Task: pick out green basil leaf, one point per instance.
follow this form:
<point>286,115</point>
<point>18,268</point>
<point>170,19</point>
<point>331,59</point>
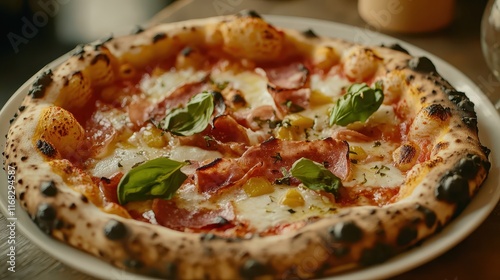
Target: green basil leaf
<point>358,104</point>
<point>191,119</point>
<point>157,178</point>
<point>315,176</point>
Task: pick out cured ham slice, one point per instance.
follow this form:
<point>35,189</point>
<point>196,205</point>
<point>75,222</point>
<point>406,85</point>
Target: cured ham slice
<point>288,87</point>
<point>169,214</point>
<point>269,158</point>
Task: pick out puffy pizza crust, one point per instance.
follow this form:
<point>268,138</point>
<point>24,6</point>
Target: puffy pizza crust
<point>64,203</point>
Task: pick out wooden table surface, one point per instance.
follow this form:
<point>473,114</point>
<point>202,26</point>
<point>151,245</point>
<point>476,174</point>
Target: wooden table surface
<point>477,257</point>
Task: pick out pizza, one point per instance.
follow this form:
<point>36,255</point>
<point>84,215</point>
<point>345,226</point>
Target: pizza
<point>229,148</point>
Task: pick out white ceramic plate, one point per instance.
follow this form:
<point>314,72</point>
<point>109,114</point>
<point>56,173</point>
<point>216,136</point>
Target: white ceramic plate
<point>456,231</point>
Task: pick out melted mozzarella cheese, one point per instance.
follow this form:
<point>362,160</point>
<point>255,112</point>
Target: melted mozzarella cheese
<point>252,85</point>
<point>266,211</point>
<point>375,174</point>
<point>331,85</point>
<point>183,153</point>
<point>156,88</point>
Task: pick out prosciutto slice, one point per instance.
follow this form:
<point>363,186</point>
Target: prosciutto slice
<point>169,214</point>
<point>268,159</point>
<point>288,85</point>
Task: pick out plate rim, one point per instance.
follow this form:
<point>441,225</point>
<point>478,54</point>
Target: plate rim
<point>455,232</point>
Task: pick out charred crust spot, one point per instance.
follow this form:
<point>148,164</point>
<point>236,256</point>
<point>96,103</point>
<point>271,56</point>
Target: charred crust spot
<point>455,96</point>
<point>248,13</point>
<point>422,64</point>
<point>406,235</point>
<point>41,83</point>
<point>79,51</point>
<point>103,41</point>
<point>21,108</point>
<point>397,47</point>
<point>46,148</point>
<point>309,33</point>
<point>115,230</point>
<point>159,36</point>
<point>436,111</point>
<point>252,269</point>
<point>84,198</point>
<point>45,212</point>
<point>346,232</point>
<point>379,253</point>
<point>341,251</point>
<point>208,237</point>
<point>133,264</point>
<point>171,270</point>
<point>468,166</point>
<point>470,122</point>
<point>209,165</point>
<point>239,100</point>
<point>466,105</point>
<point>137,29</point>
<point>453,188</point>
<point>58,224</point>
<point>100,57</point>
<point>21,195</point>
<point>48,188</point>
<point>186,51</point>
<point>24,158</point>
<point>441,146</point>
<point>429,215</point>
<point>407,154</point>
<point>72,206</point>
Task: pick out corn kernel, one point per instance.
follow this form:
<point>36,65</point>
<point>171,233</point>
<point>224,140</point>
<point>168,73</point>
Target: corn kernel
<point>257,186</point>
<point>284,133</point>
<point>297,120</point>
<point>357,153</point>
<point>293,198</point>
<point>318,98</point>
<point>154,137</point>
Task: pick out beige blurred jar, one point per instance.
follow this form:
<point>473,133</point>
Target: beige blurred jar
<point>407,16</point>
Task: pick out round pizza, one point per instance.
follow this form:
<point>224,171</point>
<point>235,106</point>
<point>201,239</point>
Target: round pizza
<point>228,148</point>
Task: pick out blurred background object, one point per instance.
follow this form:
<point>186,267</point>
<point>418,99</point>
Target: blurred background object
<point>35,32</point>
<point>407,16</point>
<point>490,40</point>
